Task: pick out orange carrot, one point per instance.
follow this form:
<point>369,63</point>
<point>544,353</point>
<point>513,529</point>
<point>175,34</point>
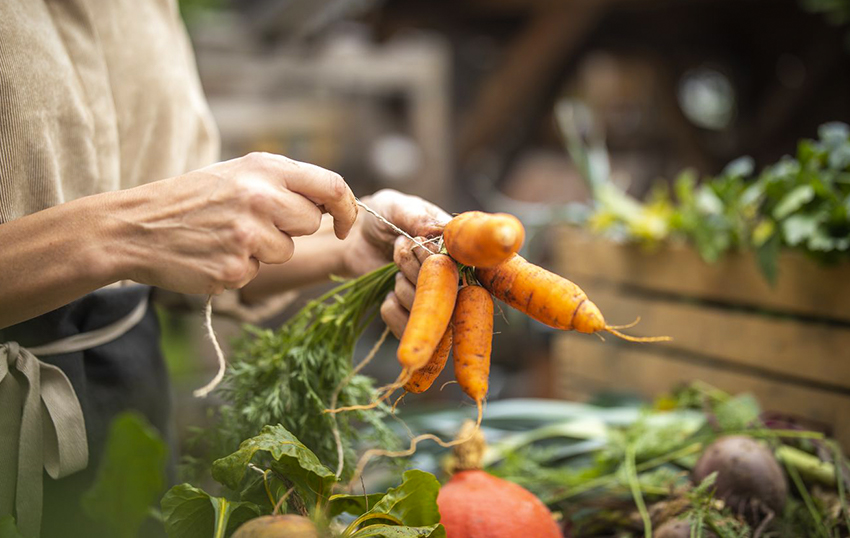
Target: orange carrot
<point>422,379</point>
<point>436,293</point>
<point>548,298</point>
<point>483,239</point>
<point>473,340</point>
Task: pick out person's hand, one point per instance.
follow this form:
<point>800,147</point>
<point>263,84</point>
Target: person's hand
<point>208,230</point>
<point>373,244</point>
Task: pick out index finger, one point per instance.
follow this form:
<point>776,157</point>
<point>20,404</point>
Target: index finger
<point>324,188</point>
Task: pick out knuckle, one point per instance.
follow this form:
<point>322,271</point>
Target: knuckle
<point>286,250</point>
<point>312,222</point>
<point>243,236</point>
<point>337,187</point>
<point>256,158</point>
<point>254,199</point>
<point>232,270</point>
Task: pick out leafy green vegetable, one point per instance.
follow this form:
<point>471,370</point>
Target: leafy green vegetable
<point>384,531</point>
<point>705,514</point>
<point>189,512</point>
<point>414,501</point>
<point>356,505</point>
<point>800,203</point>
<point>288,376</point>
<point>290,458</point>
<point>130,478</point>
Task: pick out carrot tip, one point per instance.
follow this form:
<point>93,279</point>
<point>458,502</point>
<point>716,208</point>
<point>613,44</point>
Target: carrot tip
<point>628,326</point>
<point>388,391</point>
<point>639,339</point>
<point>398,401</point>
<point>447,383</point>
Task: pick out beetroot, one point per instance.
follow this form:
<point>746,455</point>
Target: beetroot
<point>286,526</point>
<point>748,475</point>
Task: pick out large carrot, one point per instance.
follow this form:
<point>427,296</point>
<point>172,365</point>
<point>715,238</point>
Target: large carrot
<point>436,293</point>
<point>473,341</point>
<point>547,297</point>
<point>483,239</point>
<point>423,378</point>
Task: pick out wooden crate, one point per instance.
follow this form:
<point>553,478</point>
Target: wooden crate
<point>788,345</point>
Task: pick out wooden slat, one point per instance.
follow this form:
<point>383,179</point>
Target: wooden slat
<point>807,350</point>
<point>803,287</point>
<point>585,366</point>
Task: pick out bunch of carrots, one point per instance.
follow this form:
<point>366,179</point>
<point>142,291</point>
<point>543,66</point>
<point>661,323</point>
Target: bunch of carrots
<point>453,306</point>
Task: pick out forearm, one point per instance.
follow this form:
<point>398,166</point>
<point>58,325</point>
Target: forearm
<point>52,257</point>
<point>315,259</point>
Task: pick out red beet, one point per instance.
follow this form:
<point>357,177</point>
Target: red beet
<point>747,473</point>
<point>474,504</point>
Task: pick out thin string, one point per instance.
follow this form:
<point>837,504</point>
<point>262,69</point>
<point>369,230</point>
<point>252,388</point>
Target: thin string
<point>222,363</point>
<point>395,228</point>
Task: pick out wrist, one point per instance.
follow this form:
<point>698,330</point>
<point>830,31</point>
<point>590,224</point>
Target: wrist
<point>112,253</point>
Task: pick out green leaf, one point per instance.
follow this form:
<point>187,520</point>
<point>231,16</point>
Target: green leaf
<point>798,228</point>
<point>767,257</point>
<point>708,202</point>
<point>793,201</point>
<point>840,158</point>
<point>192,513</point>
<point>355,505</point>
<point>130,478</point>
<point>740,167</point>
<point>834,134</point>
<point>388,531</point>
<point>8,528</point>
<point>414,501</point>
<point>291,459</point>
<point>737,413</point>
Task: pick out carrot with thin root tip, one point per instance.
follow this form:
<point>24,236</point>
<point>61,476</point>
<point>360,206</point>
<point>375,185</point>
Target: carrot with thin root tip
<point>473,340</point>
<point>433,304</point>
<point>481,239</point>
<point>423,378</point>
<point>548,298</point>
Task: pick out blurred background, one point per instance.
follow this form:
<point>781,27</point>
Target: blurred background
<point>465,103</point>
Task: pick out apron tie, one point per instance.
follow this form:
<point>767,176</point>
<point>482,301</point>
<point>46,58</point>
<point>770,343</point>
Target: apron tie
<point>41,420</point>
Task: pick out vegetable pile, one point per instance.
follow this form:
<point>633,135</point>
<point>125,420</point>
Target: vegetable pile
<point>292,386</point>
<point>702,463</point>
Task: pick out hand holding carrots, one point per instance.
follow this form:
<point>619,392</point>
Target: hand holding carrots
<point>373,244</point>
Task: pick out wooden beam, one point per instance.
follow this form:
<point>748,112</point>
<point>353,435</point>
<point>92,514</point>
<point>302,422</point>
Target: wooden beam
<point>552,35</point>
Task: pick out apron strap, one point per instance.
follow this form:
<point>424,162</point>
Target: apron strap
<point>41,419</point>
<point>97,337</point>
